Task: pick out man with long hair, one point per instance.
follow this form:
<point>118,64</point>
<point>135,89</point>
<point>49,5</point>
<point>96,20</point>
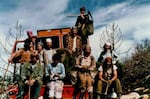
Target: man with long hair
<point>108,75</point>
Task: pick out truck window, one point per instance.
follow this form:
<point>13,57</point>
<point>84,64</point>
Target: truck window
<point>19,46</point>
<point>55,41</point>
<point>64,40</point>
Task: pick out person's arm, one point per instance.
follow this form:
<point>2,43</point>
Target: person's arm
<point>78,21</point>
<point>78,62</point>
<point>16,54</point>
<point>101,76</point>
<point>63,74</point>
<point>114,77</point>
<point>93,63</point>
<point>40,72</point>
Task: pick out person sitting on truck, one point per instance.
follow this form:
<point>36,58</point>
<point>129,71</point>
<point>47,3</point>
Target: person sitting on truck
<point>31,79</point>
<point>41,53</point>
<point>49,52</point>
<point>23,55</point>
<point>56,74</point>
<point>86,65</point>
<point>108,76</point>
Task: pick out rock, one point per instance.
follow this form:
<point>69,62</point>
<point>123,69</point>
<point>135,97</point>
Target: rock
<point>144,97</point>
<point>146,90</point>
<point>139,89</point>
<point>132,95</point>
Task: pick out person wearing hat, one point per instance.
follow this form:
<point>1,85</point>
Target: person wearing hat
<point>82,24</point>
<point>49,52</point>
<point>108,76</point>
<point>107,52</point>
<point>31,38</point>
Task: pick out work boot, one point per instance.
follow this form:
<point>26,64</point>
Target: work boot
<point>81,95</point>
<point>98,97</point>
<point>90,95</point>
<point>119,95</point>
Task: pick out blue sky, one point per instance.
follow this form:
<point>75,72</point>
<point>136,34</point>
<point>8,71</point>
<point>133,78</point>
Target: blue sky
<point>132,16</point>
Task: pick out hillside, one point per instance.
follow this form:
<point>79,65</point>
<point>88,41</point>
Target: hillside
<point>136,72</point>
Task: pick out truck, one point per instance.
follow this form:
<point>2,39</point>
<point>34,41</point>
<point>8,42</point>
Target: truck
<point>58,37</point>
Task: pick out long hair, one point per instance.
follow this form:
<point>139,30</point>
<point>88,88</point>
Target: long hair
<point>107,59</point>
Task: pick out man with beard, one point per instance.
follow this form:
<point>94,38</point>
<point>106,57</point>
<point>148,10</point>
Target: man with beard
<point>86,64</point>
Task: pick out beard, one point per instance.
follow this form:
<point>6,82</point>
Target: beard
<point>87,54</point>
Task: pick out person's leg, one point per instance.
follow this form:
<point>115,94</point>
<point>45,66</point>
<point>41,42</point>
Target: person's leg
<point>118,87</point>
<point>20,90</point>
<point>82,77</point>
<point>82,92</point>
<point>35,89</point>
<point>59,89</point>
<point>99,89</point>
<point>89,81</point>
<point>51,86</point>
<point>76,90</point>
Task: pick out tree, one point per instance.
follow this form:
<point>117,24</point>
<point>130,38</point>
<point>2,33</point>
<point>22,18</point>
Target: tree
<point>137,68</point>
<point>113,35</point>
<point>13,34</point>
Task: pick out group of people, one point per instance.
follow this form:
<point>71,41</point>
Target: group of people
<point>41,64</point>
<point>36,64</point>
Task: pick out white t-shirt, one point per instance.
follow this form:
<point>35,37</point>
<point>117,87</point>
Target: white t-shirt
<point>49,54</point>
<point>101,68</point>
<point>109,70</point>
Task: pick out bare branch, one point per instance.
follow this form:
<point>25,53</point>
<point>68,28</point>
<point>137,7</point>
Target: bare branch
<point>112,34</point>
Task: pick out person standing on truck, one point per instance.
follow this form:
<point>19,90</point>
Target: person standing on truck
<point>86,65</point>
<point>85,25</point>
<point>56,74</point>
<point>31,38</point>
<point>74,46</point>
<point>108,76</point>
<point>49,52</point>
<point>74,42</point>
